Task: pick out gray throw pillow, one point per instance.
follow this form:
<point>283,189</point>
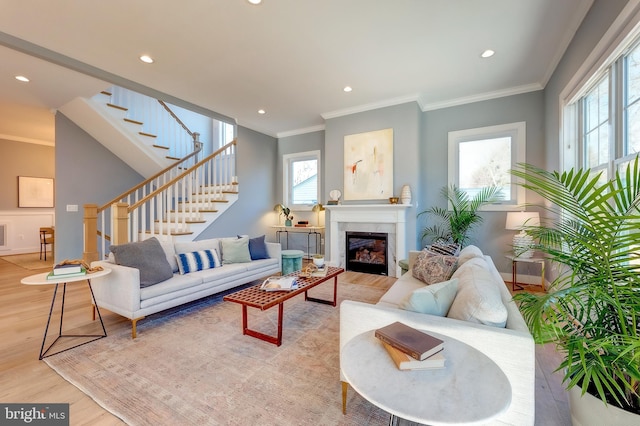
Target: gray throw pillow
<point>148,257</point>
<point>235,250</point>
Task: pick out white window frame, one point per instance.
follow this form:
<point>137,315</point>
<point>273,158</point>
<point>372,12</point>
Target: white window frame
<point>517,133</point>
<point>287,160</point>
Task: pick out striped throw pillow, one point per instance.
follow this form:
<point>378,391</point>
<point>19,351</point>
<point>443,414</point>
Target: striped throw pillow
<point>197,261</point>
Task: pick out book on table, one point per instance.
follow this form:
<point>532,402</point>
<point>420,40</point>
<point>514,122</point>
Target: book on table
<point>67,268</point>
<point>405,362</point>
<point>413,342</point>
<point>53,276</point>
<point>279,284</point>
<point>320,272</point>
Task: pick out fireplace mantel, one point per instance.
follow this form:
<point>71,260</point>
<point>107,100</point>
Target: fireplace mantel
<point>392,214</point>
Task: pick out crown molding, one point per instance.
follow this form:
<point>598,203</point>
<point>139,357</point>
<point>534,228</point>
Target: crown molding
<point>481,97</point>
<point>14,138</point>
<point>369,107</point>
<point>302,131</point>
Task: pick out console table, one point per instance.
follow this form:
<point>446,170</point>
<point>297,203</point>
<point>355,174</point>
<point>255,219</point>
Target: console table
<point>315,231</point>
<point>471,388</point>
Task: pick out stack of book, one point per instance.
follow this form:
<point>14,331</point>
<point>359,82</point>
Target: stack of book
<point>66,270</point>
<point>411,349</point>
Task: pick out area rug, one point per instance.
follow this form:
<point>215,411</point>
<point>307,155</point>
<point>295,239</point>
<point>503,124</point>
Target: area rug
<point>193,366</point>
<point>30,261</point>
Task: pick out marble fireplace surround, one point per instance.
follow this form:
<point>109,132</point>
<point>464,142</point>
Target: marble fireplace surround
<point>387,218</point>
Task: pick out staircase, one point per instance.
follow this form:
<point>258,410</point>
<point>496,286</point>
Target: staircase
<point>176,203</point>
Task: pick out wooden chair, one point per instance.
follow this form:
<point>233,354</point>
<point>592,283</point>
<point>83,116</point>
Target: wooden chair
<point>46,237</point>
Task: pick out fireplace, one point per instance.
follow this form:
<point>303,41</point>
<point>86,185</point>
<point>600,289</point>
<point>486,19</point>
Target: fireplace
<point>366,252</point>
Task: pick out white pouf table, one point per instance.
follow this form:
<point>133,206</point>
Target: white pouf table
<point>470,389</point>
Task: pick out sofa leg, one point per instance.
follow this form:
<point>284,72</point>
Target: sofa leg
<point>345,385</point>
<point>134,329</point>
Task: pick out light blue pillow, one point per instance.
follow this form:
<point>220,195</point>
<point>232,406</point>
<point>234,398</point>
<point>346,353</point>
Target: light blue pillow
<point>434,299</point>
<point>197,261</point>
<point>235,250</point>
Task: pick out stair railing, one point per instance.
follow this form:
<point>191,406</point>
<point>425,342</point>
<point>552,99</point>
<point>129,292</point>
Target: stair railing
<point>163,205</point>
<point>157,119</point>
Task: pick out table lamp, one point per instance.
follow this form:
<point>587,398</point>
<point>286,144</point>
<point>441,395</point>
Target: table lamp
<point>317,208</point>
<point>278,209</point>
<point>522,242</point>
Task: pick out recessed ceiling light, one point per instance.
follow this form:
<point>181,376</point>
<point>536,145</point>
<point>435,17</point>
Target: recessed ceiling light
<point>261,111</point>
<point>347,89</point>
<point>488,53</point>
<point>146,59</point>
<point>22,78</point>
<point>255,1</point>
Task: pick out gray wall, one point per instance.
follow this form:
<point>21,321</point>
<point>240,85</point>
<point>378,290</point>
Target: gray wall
<point>86,173</point>
<point>491,236</point>
<point>252,214</point>
<point>22,159</point>
<point>405,120</point>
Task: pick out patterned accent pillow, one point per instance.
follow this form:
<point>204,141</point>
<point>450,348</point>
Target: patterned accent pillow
<point>431,268</point>
<point>197,261</point>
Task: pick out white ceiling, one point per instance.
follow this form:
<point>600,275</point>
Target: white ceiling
<point>289,57</point>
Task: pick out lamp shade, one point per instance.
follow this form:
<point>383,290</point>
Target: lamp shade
<point>518,221</point>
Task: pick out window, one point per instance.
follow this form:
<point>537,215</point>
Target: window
<point>223,133</point>
<point>607,122</point>
<point>301,177</point>
<point>484,156</point>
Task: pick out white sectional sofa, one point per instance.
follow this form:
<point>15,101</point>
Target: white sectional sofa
<point>511,347</point>
<point>121,291</point>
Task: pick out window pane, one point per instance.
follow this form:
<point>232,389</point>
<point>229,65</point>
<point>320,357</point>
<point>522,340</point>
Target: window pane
<point>596,125</point>
<point>485,163</point>
<point>304,182</point>
<point>631,103</point>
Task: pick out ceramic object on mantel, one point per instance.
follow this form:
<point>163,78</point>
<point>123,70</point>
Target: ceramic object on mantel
<point>405,195</point>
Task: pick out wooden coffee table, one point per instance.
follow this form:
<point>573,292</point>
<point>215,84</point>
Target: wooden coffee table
<point>257,298</point>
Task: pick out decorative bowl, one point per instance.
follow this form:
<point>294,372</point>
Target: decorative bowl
<point>318,260</point>
<point>394,200</point>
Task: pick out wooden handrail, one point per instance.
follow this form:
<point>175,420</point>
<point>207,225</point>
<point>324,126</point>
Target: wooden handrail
<point>175,117</point>
<point>145,182</point>
<point>179,177</point>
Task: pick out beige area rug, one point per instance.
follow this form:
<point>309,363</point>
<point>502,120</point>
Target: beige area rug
<point>193,366</point>
<point>30,261</point>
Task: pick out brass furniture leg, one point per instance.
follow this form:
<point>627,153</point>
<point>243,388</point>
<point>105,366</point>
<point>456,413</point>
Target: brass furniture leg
<point>134,330</point>
<point>345,385</point>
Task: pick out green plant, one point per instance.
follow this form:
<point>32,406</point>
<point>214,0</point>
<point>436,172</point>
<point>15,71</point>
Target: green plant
<point>453,225</point>
<point>592,311</point>
<point>285,211</point>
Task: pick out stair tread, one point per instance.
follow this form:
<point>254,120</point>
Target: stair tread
<point>129,120</point>
<point>174,233</point>
<point>186,221</point>
<point>105,92</point>
<point>160,146</point>
<point>147,134</point>
<point>117,107</point>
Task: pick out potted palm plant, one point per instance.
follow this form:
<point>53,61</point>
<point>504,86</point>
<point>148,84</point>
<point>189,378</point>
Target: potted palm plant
<point>592,312</point>
<point>453,224</point>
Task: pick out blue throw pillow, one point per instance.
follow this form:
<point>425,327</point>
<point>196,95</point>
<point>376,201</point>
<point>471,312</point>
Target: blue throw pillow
<point>258,248</point>
<point>197,261</point>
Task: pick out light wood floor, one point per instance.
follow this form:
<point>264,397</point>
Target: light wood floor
<point>25,379</point>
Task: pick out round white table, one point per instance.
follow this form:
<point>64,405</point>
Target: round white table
<point>470,389</point>
<point>41,279</point>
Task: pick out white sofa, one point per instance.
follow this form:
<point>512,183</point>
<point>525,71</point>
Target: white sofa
<point>512,348</point>
<point>120,291</point>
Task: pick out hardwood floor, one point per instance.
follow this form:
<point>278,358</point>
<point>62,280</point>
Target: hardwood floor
<point>25,379</point>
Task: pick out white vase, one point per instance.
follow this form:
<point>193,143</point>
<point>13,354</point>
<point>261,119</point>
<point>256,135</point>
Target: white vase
<point>405,195</point>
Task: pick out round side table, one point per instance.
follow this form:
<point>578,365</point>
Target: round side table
<point>471,388</point>
<point>41,279</point>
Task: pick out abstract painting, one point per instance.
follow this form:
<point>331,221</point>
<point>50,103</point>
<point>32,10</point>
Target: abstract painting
<point>368,165</point>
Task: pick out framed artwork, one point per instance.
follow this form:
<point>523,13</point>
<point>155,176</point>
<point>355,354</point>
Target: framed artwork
<point>35,192</point>
<point>368,165</point>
